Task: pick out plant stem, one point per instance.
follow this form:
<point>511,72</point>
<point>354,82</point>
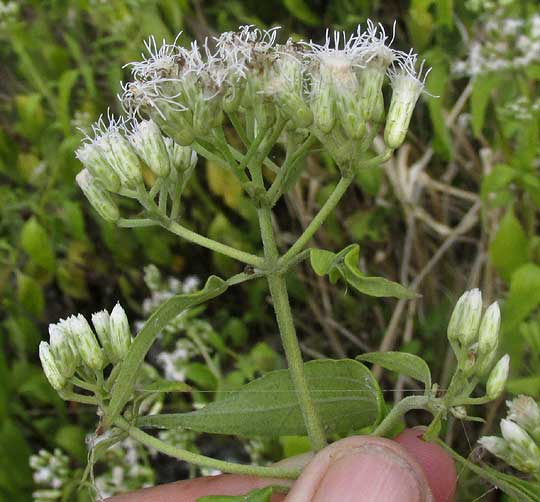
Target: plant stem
<point>398,411</point>
<point>218,247</point>
<point>282,309</point>
<point>136,222</point>
<point>274,191</point>
<point>194,458</point>
<point>319,219</point>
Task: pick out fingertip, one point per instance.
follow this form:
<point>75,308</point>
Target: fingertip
<point>438,466</point>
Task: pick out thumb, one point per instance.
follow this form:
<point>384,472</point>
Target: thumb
<point>362,468</point>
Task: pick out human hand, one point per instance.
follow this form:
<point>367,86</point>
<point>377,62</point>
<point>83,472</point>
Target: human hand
<point>358,468</point>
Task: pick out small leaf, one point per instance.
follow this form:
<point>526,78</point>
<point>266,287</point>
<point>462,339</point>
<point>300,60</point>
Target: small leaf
<point>345,393</point>
<point>344,265</point>
<point>401,362</point>
<point>36,242</point>
<point>371,286</point>
<point>129,371</point>
<point>301,10</point>
<point>321,260</point>
<point>30,294</point>
<point>509,248</point>
<point>166,386</point>
<point>483,85</point>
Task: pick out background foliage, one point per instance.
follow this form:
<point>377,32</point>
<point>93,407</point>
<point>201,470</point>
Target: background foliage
<point>457,207</point>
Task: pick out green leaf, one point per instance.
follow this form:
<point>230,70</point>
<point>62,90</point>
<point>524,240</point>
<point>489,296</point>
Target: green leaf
<point>344,265</point>
<point>321,260</point>
<point>302,11</point>
<point>509,248</point>
<point>523,299</point>
<point>480,96</point>
<point>371,286</point>
<point>257,495</point>
<point>345,393</point>
<point>72,439</point>
<point>30,294</point>
<point>401,362</point>
<point>518,489</point>
<point>166,386</point>
<point>37,244</point>
<point>129,371</point>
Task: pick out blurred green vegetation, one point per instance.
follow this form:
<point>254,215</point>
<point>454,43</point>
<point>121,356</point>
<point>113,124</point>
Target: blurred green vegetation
<point>465,190</point>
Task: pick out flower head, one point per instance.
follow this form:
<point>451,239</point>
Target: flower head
<point>407,85</point>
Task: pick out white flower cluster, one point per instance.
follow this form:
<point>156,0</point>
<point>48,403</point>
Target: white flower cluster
<point>334,85</point>
<point>475,339</point>
<point>180,96</point>
<point>51,473</point>
<point>73,346</point>
<point>126,469</point>
<point>520,444</point>
<point>502,43</point>
<point>115,155</point>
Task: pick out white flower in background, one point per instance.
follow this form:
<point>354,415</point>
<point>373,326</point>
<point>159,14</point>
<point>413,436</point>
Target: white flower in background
<point>520,444</point>
<point>501,43</point>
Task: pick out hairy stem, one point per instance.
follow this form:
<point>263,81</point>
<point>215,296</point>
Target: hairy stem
<point>282,308</point>
<point>398,411</point>
<point>218,247</point>
<point>195,458</point>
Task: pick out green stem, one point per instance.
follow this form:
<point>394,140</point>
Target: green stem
<point>135,222</point>
<point>275,190</point>
<point>78,398</point>
<point>218,247</point>
<point>282,309</point>
<point>195,458</point>
<point>84,385</point>
<point>319,219</point>
<point>398,411</point>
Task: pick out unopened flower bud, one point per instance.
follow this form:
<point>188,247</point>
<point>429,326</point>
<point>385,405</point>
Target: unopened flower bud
<point>407,88</point>
<point>87,344</point>
<point>525,411</point>
<point>91,157</point>
<point>98,197</point>
<point>488,338</point>
<point>323,110</point>
<point>495,445</point>
<point>62,351</point>
<point>525,451</point>
<point>497,378</point>
<point>122,158</point>
<point>183,158</point>
<point>102,325</point>
<point>463,325</point>
<point>148,142</point>
<point>120,332</point>
<point>50,367</point>
<point>371,78</point>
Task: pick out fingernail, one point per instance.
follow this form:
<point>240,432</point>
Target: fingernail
<point>371,474</point>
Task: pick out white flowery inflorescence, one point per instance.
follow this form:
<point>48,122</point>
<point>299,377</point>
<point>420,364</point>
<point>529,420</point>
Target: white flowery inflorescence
<point>73,348</point>
<point>520,444</point>
<point>502,42</point>
<point>181,95</point>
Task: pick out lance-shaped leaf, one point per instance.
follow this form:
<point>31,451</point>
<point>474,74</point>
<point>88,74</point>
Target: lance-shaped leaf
<point>402,363</point>
<point>345,393</point>
<point>125,382</point>
<point>344,265</point>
